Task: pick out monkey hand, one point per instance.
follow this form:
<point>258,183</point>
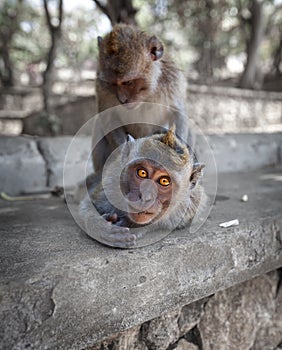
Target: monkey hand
<point>117,236</point>
<point>109,233</point>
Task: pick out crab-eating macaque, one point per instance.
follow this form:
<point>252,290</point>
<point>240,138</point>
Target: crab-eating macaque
<point>133,68</point>
<point>151,184</point>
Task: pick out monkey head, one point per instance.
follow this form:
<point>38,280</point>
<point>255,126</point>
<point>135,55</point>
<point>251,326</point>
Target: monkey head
<point>148,190</point>
<point>129,64</point>
<point>158,178</point>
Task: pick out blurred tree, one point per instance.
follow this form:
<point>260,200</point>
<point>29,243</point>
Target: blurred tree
<point>9,25</point>
<point>79,47</point>
<point>55,30</point>
<point>118,11</point>
<point>201,35</point>
<point>201,24</point>
<point>208,39</point>
<point>274,32</point>
<point>277,60</point>
<point>253,27</point>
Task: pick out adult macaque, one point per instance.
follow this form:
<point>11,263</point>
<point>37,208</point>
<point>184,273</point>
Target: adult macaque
<point>133,68</point>
<point>151,184</point>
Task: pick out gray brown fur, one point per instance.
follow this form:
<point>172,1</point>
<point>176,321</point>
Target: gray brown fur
<point>187,199</point>
<point>124,54</point>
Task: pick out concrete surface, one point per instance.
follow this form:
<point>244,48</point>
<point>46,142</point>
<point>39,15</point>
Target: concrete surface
<point>22,167</point>
<point>59,289</point>
<point>32,163</point>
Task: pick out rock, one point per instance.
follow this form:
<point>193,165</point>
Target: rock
<point>190,315</point>
<point>269,335</point>
<point>233,317</point>
<point>122,341</point>
<point>185,345</point>
<point>159,333</point>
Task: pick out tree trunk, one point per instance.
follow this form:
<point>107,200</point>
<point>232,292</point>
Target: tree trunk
<point>118,11</point>
<point>7,31</point>
<point>278,59</point>
<point>250,74</point>
<point>55,31</point>
<point>48,73</point>
<point>6,71</point>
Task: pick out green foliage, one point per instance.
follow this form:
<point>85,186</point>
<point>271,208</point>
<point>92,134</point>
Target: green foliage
<point>199,34</point>
<point>79,38</point>
<point>204,33</point>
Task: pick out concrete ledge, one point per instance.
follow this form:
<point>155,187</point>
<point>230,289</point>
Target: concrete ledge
<point>232,152</point>
<point>22,165</point>
<point>61,289</point>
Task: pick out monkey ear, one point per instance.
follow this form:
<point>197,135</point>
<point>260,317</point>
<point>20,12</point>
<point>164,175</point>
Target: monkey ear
<point>196,174</point>
<point>156,48</point>
<point>99,40</point>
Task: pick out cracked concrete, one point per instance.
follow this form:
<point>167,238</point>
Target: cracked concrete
<point>46,165</point>
<point>59,289</point>
<point>54,151</point>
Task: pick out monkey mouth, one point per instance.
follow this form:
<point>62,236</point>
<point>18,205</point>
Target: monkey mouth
<point>132,105</point>
<point>144,213</point>
<point>142,217</point>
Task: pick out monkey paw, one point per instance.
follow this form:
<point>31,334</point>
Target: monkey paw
<point>119,237</point>
<point>113,218</point>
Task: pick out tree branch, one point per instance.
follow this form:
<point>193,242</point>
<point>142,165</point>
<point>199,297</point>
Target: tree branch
<point>60,12</point>
<point>103,8</point>
<point>48,17</point>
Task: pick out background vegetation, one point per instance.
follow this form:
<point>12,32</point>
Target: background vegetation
<point>216,42</point>
<point>211,39</point>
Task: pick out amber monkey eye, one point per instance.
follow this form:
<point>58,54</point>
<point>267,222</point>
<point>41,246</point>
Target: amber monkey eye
<point>142,173</point>
<point>164,181</point>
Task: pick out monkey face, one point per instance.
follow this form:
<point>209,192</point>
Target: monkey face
<point>148,190</point>
<point>128,91</point>
<point>129,65</point>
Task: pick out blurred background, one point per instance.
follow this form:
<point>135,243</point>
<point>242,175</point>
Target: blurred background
<point>230,51</point>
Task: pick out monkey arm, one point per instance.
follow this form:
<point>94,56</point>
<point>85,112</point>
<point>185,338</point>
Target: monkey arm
<point>107,144</point>
<point>102,230</point>
<point>183,131</point>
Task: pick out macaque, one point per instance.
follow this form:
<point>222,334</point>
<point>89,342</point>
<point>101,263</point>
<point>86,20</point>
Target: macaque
<point>132,69</point>
<point>151,184</point>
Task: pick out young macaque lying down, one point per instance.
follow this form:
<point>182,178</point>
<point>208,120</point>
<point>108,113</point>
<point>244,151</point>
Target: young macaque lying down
<point>150,184</point>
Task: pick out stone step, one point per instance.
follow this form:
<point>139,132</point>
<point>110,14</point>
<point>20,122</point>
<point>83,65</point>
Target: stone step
<point>13,114</point>
<point>59,289</point>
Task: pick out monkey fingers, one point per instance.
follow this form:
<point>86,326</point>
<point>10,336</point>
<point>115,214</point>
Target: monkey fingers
<point>113,218</point>
<point>119,237</point>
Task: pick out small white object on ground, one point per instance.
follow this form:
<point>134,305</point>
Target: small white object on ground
<point>230,223</point>
<point>245,198</point>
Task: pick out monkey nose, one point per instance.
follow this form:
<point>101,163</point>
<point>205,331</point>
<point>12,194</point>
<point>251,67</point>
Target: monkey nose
<point>148,191</point>
<point>122,99</point>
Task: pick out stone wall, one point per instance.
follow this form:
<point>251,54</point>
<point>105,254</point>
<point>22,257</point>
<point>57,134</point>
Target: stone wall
<point>213,109</point>
<point>225,109</point>
<point>246,316</point>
